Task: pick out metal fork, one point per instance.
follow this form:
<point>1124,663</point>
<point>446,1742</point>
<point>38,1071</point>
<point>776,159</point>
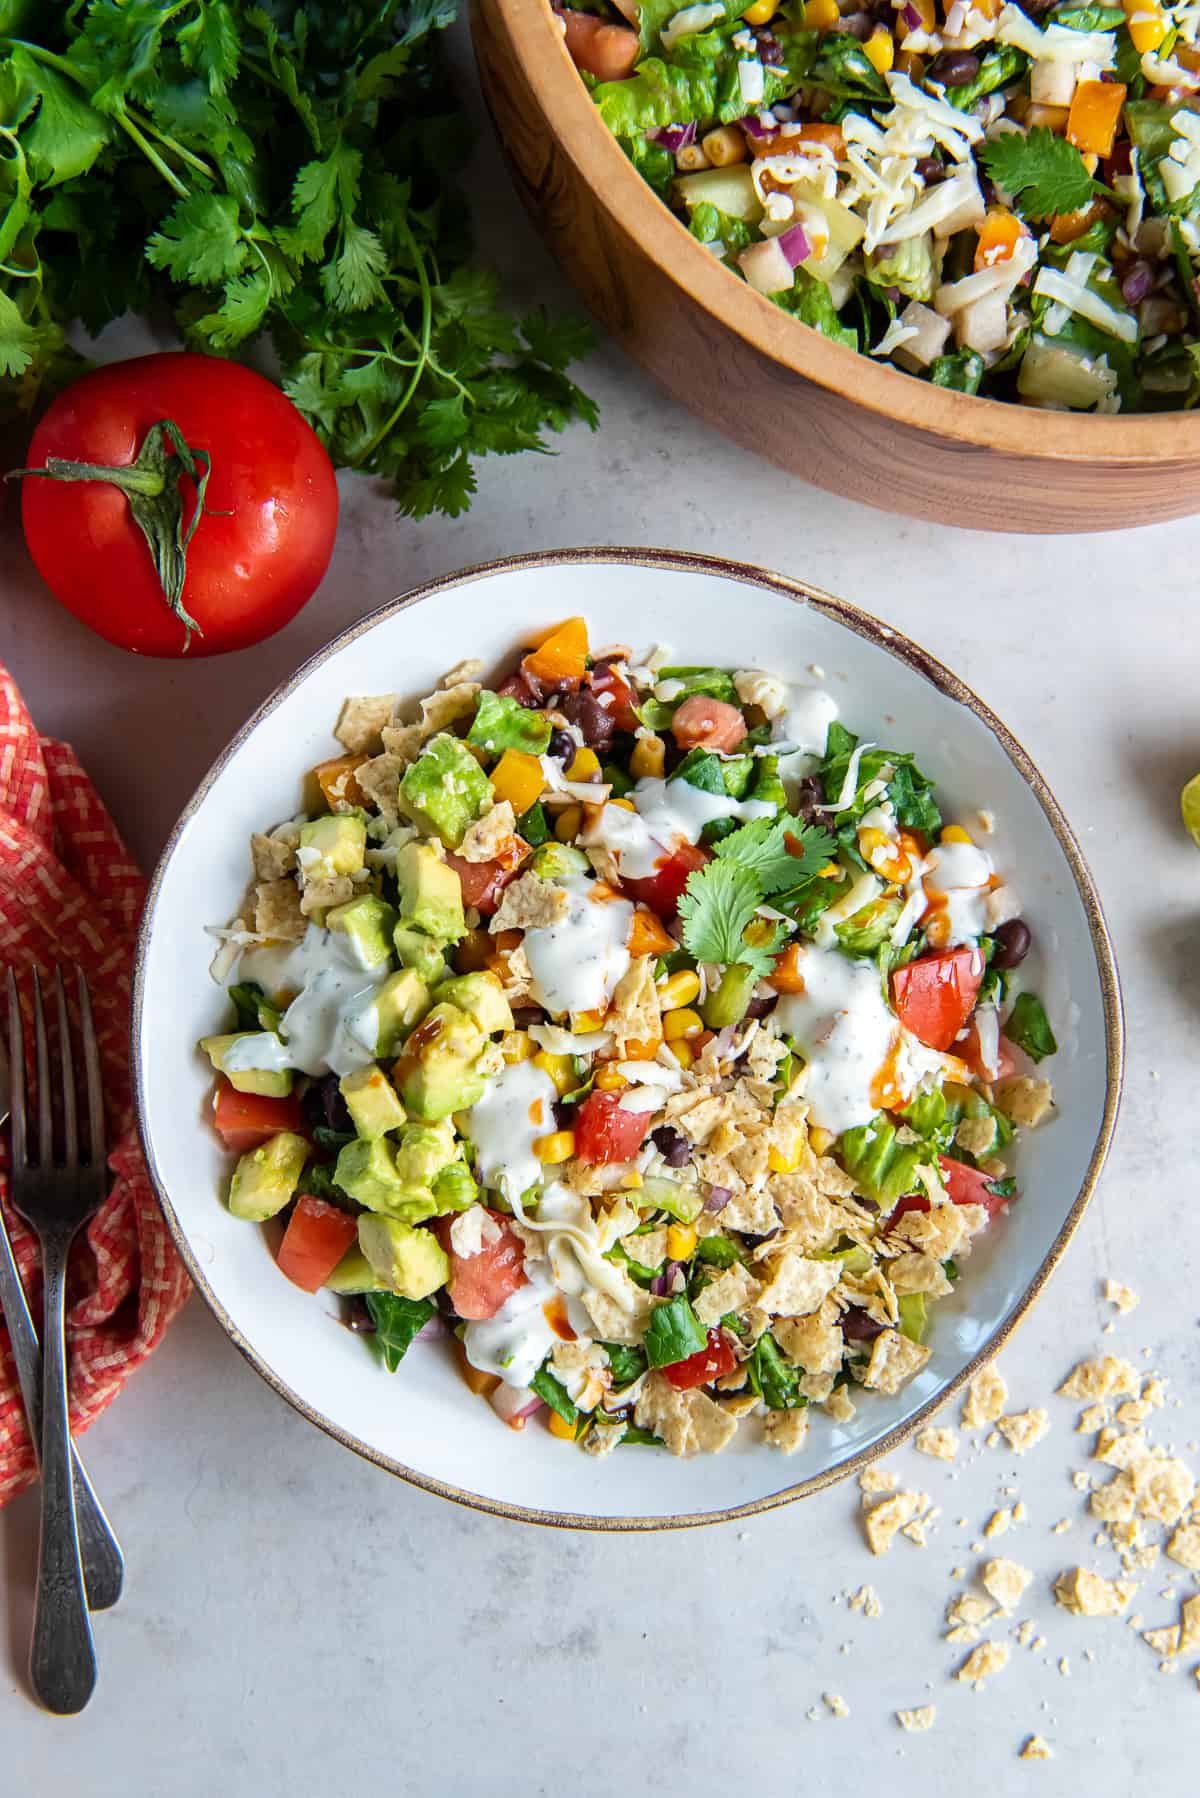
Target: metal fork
<point>103,1562</point>
<point>56,1199</point>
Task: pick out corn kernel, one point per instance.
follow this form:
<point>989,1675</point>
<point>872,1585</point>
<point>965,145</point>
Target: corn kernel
<point>649,758</point>
<point>626,805</point>
<point>518,778</point>
<point>681,1242</point>
<point>583,1021</point>
<point>585,766</point>
<point>880,49</point>
<point>558,1426</point>
<point>683,1022</point>
<point>679,989</point>
<point>561,1069</point>
<point>517,1045</point>
<point>567,824</point>
<point>683,1052</point>
<point>724,146</point>
<point>610,1079</point>
<point>781,1162</point>
<point>954,833</point>
<point>884,854</point>
<point>1147,26</point>
<point>558,1146</point>
<point>645,1049</point>
<point>821,15</point>
<point>632,1180</point>
<point>761,13</point>
<point>820,1141</point>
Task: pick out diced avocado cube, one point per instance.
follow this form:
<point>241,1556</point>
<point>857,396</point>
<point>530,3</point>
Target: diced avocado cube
<point>354,1273</point>
<point>409,1261</point>
<point>557,861</point>
<point>401,1002</point>
<point>336,844</point>
<point>369,923</point>
<point>435,1072</point>
<point>424,954</point>
<point>502,723</point>
<point>272,1083</point>
<point>366,1171</point>
<point>430,893</point>
<point>445,789</point>
<point>423,1151</point>
<point>372,1102</point>
<point>481,996</point>
<point>453,1187</point>
<point>265,1178</point>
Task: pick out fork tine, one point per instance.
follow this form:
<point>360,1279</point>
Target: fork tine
<point>91,1065</point>
<point>41,1049</point>
<point>16,1071</point>
<point>67,1058</point>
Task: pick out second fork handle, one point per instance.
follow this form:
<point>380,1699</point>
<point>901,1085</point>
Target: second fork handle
<point>62,1662</point>
<point>103,1564</point>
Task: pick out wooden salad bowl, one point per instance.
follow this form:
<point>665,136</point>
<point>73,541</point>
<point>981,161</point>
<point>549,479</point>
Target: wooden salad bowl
<point>814,407</point>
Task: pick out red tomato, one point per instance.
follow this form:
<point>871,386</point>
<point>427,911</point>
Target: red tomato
<point>934,995</point>
<point>967,1186</point>
<point>661,890</point>
<point>604,1132</point>
<point>710,1363</point>
<point>483,882</point>
<point>608,52</point>
<point>247,1120</point>
<point>317,1236</point>
<point>605,681</point>
<point>704,723</point>
<point>912,1201</point>
<point>479,1284</point>
<point>262,544</point>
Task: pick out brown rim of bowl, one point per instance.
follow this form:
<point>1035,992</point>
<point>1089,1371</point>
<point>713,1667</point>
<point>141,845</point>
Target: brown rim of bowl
<point>637,210</point>
<point>948,684</point>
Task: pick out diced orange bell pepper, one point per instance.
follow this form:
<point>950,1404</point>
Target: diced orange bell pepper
<point>787,977</point>
<point>1095,114</point>
<point>793,136</point>
<point>647,935</point>
<point>518,778</point>
<point>1065,227</point>
<point>336,780</point>
<point>561,656</point>
<point>999,235</point>
<point>990,9</point>
<point>646,1050</point>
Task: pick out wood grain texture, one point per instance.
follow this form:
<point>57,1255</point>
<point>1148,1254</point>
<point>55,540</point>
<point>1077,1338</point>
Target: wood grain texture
<point>816,408</point>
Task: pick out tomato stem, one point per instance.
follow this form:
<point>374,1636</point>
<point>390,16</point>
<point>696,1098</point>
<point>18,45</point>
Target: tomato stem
<point>153,486</point>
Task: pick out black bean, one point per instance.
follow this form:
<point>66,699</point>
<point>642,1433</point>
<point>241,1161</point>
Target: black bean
<point>595,722</point>
<point>954,69</point>
<point>564,1114</point>
<point>931,170</point>
<point>355,1316</point>
<point>525,1015</point>
<point>671,1145</point>
<point>810,799</point>
<point>562,747</point>
<point>758,1008</point>
<point>323,1104</point>
<point>859,1326</point>
<point>770,50</point>
<point>1013,942</point>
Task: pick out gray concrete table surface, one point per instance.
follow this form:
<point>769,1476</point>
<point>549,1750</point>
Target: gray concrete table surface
<point>297,1621</point>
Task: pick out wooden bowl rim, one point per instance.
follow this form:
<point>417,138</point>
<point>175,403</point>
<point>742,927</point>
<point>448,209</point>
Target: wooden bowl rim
<point>1079,437</point>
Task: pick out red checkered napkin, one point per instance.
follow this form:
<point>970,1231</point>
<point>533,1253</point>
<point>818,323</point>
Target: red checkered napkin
<point>69,892</point>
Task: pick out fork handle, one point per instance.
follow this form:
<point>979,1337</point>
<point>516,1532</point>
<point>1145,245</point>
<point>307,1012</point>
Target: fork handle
<point>103,1563</point>
<point>62,1662</point>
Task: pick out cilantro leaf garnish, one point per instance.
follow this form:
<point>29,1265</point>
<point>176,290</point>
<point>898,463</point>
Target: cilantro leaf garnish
<point>720,902</point>
<point>1043,174</point>
<point>769,850</point>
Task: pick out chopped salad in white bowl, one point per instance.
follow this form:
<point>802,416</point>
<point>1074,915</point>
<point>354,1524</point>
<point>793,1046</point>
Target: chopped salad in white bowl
<point>647,1040</point>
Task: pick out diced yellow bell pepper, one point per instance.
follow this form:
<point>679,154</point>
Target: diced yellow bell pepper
<point>681,1242</point>
<point>1147,26</point>
<point>557,1147</point>
<point>558,1426</point>
<point>561,1069</point>
<point>954,833</point>
<point>632,1180</point>
<point>517,1045</point>
<point>761,13</point>
<point>880,49</point>
<point>518,778</point>
<point>1094,116</point>
<point>584,766</point>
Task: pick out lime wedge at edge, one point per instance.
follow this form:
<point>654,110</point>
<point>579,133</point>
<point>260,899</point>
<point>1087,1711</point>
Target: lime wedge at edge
<point>1189,805</point>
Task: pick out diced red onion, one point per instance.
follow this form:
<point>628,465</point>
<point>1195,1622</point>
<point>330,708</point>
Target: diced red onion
<point>794,244</point>
<point>717,1197</point>
<point>674,137</point>
<point>432,1330</point>
<point>1137,283</point>
<point>658,1285</point>
<point>514,1404</point>
<point>911,16</point>
<point>753,126</point>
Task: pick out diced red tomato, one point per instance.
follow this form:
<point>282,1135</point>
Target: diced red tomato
<point>704,723</point>
<point>480,1284</point>
<point>525,691</point>
<point>969,1051</point>
<point>247,1120</point>
<point>317,1236</point>
<point>710,1363</point>
<point>662,889</point>
<point>912,1201</point>
<point>968,1186</point>
<point>606,681</point>
<point>484,882</point>
<point>935,995</point>
<point>604,1132</point>
<point>606,51</point>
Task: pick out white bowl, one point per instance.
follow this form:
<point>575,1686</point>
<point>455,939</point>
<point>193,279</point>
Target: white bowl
<point>422,1423</point>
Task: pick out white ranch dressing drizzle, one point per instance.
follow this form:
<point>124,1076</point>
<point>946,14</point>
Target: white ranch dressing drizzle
<point>803,725</point>
<point>668,814</point>
<point>575,964</point>
<point>331,1024</point>
<point>261,1051</point>
<point>959,873</point>
<point>516,1108</point>
<point>513,1344</point>
<point>845,1033</point>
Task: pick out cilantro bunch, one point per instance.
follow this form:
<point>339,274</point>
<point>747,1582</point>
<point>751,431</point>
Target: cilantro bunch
<point>719,907</point>
<point>274,175</point>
